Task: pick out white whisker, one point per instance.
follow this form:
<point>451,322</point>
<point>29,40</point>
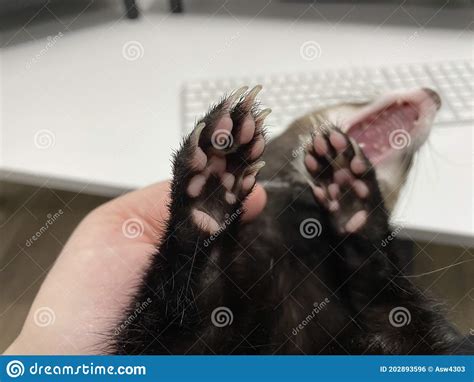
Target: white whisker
<point>439,269</point>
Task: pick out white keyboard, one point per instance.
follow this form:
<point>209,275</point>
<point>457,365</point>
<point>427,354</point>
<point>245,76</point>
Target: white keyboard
<point>292,95</point>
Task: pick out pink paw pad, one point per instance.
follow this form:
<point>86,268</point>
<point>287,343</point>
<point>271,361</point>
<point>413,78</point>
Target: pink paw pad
<point>228,180</point>
<point>216,165</point>
<point>319,193</point>
<point>338,141</point>
<point>199,160</point>
<point>196,185</point>
<point>247,131</point>
<point>311,163</point>
<point>358,166</point>
<point>230,197</point>
<point>356,222</point>
<point>334,190</point>
<point>333,206</point>
<point>248,183</point>
<point>342,176</point>
<point>360,188</point>
<point>320,145</point>
<point>205,221</point>
<point>225,123</point>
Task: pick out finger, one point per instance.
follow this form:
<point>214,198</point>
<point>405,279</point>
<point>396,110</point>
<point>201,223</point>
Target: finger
<point>255,203</point>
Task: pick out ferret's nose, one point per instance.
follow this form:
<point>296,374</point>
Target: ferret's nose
<point>434,96</point>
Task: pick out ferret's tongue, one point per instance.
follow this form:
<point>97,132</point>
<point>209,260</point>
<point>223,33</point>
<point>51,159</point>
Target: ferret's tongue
<point>376,133</point>
<point>390,123</point>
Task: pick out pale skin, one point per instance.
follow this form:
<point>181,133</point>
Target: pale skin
<point>94,277</point>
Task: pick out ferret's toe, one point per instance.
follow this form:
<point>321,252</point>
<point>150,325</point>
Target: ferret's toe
<point>338,141</point>
<point>320,145</point>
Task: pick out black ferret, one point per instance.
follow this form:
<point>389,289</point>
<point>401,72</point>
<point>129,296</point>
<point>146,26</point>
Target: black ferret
<point>314,273</point>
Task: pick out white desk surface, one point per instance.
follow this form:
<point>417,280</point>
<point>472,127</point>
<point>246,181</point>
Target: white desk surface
<point>115,122</point>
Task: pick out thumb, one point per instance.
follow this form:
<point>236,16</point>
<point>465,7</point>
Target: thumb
<point>255,203</point>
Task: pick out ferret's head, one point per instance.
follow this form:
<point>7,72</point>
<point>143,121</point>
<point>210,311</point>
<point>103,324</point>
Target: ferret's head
<point>389,130</point>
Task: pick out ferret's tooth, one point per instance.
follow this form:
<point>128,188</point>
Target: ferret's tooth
<point>197,132</point>
<point>252,94</point>
<point>235,96</point>
<point>260,117</point>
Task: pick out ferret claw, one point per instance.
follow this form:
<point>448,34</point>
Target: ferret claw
<point>260,117</point>
<point>252,94</point>
<point>255,168</point>
<point>235,96</point>
<point>197,133</point>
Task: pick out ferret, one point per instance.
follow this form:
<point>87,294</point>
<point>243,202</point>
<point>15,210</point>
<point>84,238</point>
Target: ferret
<point>313,273</point>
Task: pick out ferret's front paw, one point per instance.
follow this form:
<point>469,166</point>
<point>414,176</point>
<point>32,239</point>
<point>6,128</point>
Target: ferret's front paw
<point>344,181</point>
<point>222,158</point>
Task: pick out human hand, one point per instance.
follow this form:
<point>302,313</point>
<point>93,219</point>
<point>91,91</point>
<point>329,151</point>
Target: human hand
<point>94,278</point>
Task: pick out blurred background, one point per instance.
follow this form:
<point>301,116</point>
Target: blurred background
<point>96,94</point>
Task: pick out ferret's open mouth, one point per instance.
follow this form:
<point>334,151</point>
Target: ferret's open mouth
<point>396,122</point>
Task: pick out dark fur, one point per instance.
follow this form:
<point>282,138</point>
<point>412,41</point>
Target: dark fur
<point>270,278</point>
